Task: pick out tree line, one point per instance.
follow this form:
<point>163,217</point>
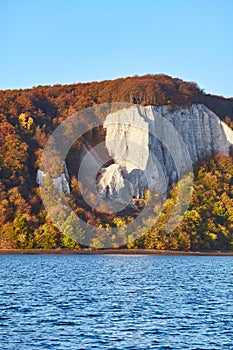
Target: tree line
<point>28,117</point>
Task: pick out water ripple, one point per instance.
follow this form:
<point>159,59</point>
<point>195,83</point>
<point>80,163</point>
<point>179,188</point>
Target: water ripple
<point>115,302</point>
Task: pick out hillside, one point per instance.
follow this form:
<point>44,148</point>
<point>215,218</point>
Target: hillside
<point>61,100</point>
<point>29,116</point>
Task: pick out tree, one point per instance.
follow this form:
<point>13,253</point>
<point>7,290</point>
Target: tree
<point>13,156</point>
<point>73,230</point>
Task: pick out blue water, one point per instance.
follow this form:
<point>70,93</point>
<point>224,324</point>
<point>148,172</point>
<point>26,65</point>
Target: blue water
<point>116,302</point>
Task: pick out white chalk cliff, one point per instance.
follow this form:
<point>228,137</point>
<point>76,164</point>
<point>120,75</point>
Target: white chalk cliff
<point>61,182</point>
<point>153,146</point>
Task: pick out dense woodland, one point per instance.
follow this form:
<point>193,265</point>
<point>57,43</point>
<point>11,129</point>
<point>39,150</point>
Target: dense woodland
<point>28,117</point>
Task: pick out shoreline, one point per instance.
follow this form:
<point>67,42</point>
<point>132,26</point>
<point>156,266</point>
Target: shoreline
<point>112,252</point>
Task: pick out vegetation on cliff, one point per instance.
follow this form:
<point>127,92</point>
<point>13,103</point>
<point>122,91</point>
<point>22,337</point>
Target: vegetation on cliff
<point>29,116</point>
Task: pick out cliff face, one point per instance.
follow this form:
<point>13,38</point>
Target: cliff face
<point>61,182</point>
<point>153,147</point>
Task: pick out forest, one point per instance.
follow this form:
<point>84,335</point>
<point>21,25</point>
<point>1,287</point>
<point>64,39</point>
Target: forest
<point>29,116</point>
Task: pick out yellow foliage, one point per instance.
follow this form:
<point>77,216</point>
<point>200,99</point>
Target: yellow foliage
<point>24,122</point>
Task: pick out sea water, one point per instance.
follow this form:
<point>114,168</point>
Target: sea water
<point>116,302</point>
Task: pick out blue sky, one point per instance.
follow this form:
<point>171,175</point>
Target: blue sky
<point>47,42</point>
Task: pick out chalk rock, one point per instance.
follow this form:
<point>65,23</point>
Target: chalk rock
<point>154,147</point>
